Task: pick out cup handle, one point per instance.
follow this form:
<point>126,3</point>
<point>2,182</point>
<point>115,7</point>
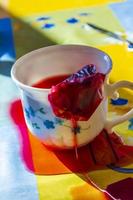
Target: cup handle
<point>112,91</point>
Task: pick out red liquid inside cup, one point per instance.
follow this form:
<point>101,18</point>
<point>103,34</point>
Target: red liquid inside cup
<point>47,83</point>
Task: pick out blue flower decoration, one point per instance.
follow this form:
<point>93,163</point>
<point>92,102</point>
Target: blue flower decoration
<point>130,45</point>
<point>35,125</point>
<point>41,110</point>
<point>119,101</point>
<point>48,25</point>
<point>72,20</point>
<point>130,126</point>
<point>43,18</point>
<point>31,111</point>
<point>58,121</point>
<point>27,113</point>
<point>49,124</point>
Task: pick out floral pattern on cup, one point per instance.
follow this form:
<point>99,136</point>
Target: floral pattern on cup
<point>32,115</point>
<point>42,120</point>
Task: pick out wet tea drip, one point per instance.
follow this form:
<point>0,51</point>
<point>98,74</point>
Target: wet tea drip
<point>77,97</point>
<point>74,129</point>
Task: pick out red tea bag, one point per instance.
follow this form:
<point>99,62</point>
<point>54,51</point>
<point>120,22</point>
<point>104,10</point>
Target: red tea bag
<point>79,95</point>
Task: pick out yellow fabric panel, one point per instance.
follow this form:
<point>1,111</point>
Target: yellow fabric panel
<point>24,8</point>
<point>122,62</point>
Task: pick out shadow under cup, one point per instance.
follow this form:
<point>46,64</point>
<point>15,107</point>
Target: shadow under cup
<point>48,62</point>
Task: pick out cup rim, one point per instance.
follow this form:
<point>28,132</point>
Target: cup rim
<point>36,51</point>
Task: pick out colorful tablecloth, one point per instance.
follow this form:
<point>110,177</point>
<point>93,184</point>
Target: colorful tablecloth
<point>28,170</point>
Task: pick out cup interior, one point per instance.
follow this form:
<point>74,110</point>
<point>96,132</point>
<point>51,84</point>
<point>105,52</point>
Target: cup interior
<point>58,60</point>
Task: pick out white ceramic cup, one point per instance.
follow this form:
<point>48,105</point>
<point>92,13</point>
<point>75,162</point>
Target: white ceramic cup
<point>57,60</point>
